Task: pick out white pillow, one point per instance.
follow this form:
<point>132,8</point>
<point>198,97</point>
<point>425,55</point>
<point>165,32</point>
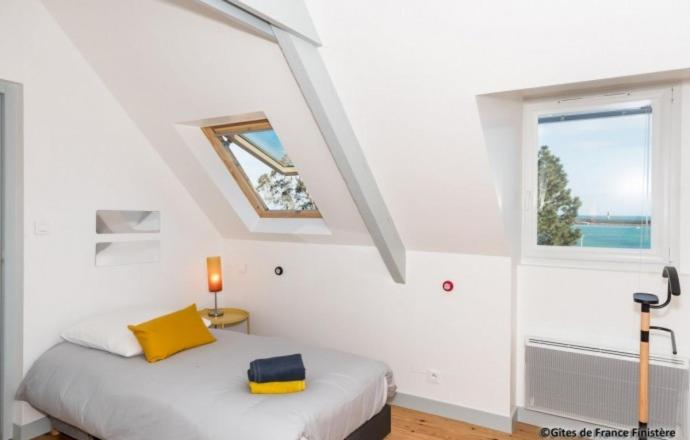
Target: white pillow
<point>109,332</point>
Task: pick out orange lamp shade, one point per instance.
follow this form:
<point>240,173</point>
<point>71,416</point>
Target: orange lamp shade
<point>215,274</point>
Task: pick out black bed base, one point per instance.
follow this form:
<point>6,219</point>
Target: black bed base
<point>72,431</point>
<point>376,428</point>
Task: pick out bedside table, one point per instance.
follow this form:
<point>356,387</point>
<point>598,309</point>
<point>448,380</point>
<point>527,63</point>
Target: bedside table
<point>230,317</point>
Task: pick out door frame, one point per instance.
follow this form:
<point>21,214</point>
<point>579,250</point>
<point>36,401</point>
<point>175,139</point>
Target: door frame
<point>12,249</point>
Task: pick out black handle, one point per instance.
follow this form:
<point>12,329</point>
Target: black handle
<point>673,288</point>
<point>673,336</point>
<point>671,273</point>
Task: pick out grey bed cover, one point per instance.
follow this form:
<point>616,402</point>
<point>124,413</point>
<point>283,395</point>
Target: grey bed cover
<point>202,393</point>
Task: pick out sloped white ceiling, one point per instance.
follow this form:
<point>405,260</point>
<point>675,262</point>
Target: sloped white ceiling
<point>402,71</point>
<point>169,62</point>
<point>408,73</point>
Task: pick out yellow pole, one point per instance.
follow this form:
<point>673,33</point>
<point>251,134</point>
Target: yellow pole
<point>644,370</point>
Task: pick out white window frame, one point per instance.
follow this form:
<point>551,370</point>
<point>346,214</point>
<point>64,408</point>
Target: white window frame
<point>665,174</point>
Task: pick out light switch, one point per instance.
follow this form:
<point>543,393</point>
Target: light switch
<point>41,227</point>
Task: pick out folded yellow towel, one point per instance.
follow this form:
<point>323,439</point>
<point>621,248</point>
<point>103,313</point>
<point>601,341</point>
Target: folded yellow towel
<point>292,386</point>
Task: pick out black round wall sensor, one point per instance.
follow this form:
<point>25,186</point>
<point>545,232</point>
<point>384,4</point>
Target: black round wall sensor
<point>278,270</point>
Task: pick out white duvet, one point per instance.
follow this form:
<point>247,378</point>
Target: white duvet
<point>202,393</point>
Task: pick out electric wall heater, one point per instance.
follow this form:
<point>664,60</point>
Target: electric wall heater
<point>600,385</point>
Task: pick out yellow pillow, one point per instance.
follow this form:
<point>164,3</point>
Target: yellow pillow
<point>168,334</point>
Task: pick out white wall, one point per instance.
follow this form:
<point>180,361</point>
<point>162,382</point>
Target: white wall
<point>341,297</point>
<point>83,153</point>
<point>501,118</point>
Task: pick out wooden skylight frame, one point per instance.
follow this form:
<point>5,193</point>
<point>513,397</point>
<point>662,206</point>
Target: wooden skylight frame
<point>235,130</point>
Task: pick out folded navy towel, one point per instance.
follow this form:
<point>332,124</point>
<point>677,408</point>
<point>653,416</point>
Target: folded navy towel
<point>277,369</point>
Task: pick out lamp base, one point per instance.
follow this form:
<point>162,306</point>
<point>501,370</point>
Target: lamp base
<point>215,313</point>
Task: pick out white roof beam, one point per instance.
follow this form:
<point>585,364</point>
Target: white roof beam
<point>241,17</point>
<point>289,15</point>
<point>320,94</point>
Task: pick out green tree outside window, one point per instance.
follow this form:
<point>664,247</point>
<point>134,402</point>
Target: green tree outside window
<point>557,207</point>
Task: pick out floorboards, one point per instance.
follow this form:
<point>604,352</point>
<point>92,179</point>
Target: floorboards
<point>415,425</point>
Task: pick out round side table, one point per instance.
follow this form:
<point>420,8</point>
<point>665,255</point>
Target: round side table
<point>230,317</point>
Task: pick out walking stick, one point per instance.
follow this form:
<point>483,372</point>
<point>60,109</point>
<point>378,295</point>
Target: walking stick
<point>648,301</point>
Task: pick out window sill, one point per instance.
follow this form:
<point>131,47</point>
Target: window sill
<point>645,266</point>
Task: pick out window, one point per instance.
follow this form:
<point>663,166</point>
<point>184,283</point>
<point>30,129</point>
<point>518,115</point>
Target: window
<point>255,157</point>
<point>597,177</point>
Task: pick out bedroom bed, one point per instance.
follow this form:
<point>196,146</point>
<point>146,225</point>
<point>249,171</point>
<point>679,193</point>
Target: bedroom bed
<point>202,393</point>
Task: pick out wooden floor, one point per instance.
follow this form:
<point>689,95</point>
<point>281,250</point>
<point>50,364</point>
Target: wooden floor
<point>414,425</point>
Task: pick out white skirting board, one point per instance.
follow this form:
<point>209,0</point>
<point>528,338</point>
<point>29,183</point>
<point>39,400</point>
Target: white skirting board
<point>456,412</point>
<point>31,430</point>
<point>490,420</point>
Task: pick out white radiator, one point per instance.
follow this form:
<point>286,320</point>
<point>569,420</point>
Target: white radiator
<point>600,385</point>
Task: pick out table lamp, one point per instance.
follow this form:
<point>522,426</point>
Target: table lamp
<point>215,283</point>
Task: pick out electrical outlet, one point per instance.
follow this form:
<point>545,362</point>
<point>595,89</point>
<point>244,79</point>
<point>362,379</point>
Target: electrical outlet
<point>433,376</point>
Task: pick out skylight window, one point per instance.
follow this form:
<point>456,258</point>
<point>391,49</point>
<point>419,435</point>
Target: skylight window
<point>256,158</point>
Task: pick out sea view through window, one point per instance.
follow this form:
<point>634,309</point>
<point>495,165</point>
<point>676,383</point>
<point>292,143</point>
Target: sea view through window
<point>594,178</point>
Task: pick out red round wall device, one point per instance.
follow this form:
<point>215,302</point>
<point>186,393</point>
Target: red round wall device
<point>448,286</point>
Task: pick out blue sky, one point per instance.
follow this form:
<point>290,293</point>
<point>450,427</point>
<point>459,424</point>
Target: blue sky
<point>268,141</point>
<point>606,161</point>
